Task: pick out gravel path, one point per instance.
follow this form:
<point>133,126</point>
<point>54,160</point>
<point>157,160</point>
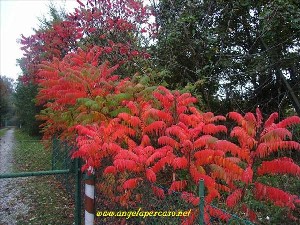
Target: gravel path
<point>13,206</point>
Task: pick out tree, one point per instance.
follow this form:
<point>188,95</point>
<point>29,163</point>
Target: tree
<point>258,141</point>
<point>26,108</point>
<point>137,136</point>
<point>43,45</point>
<point>114,26</point>
<point>250,30</point>
<point>186,47</point>
<point>122,28</point>
<point>6,100</point>
<point>240,48</point>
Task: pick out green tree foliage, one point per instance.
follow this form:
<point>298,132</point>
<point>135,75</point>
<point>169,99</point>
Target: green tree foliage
<point>6,100</point>
<point>231,52</point>
<point>185,47</point>
<point>26,108</point>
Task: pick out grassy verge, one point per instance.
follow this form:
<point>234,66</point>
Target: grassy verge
<point>50,203</point>
<point>2,131</point>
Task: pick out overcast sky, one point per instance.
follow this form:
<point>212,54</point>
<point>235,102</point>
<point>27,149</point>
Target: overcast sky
<point>20,17</point>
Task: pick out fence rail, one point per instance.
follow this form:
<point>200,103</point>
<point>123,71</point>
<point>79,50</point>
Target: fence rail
<point>32,174</point>
<point>30,159</point>
<point>68,172</point>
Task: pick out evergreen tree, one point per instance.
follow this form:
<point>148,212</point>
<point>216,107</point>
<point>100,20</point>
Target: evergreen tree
<point>231,53</point>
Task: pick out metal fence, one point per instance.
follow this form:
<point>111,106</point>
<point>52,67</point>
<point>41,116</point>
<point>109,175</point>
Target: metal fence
<point>57,161</point>
<point>49,167</point>
<point>172,203</point>
<point>150,202</point>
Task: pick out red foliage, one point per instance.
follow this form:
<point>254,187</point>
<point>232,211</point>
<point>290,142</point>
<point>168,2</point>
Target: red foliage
<point>156,134</point>
<point>265,149</point>
<point>131,183</point>
<point>277,196</point>
<point>178,185</point>
<point>247,176</point>
<point>249,213</point>
<point>158,192</point>
<point>279,166</point>
<point>136,136</point>
<point>234,150</point>
<point>292,120</point>
<point>151,176</point>
<point>110,169</point>
<point>236,116</point>
<point>190,198</point>
<point>234,198</point>
<point>213,129</point>
<point>180,163</point>
<point>254,143</point>
<point>218,213</point>
<point>271,119</point>
<point>90,25</point>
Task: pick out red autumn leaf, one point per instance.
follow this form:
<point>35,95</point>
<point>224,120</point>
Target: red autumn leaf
<point>110,169</point>
<point>131,183</point>
<point>234,198</point>
<point>247,175</point>
<point>159,192</point>
<point>279,166</point>
<point>151,176</point>
<point>177,185</point>
<point>190,198</point>
<point>180,163</point>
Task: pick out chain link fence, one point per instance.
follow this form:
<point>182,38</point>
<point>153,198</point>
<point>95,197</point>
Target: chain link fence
<point>30,189</point>
<point>71,182</point>
<point>31,155</point>
<point>61,159</point>
<point>173,210</point>
<point>170,207</point>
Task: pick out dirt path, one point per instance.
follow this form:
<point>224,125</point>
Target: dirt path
<point>12,205</point>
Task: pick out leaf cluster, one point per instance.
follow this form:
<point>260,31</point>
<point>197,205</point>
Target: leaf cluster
<point>134,135</point>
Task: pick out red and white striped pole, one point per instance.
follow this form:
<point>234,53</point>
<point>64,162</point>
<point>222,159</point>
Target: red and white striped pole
<point>89,214</point>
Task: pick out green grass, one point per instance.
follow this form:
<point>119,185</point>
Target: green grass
<point>30,154</point>
<point>2,131</point>
<point>50,203</point>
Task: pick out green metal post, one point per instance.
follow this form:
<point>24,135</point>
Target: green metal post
<point>201,203</point>
<point>77,192</point>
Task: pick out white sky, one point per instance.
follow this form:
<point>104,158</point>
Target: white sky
<point>19,17</point>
